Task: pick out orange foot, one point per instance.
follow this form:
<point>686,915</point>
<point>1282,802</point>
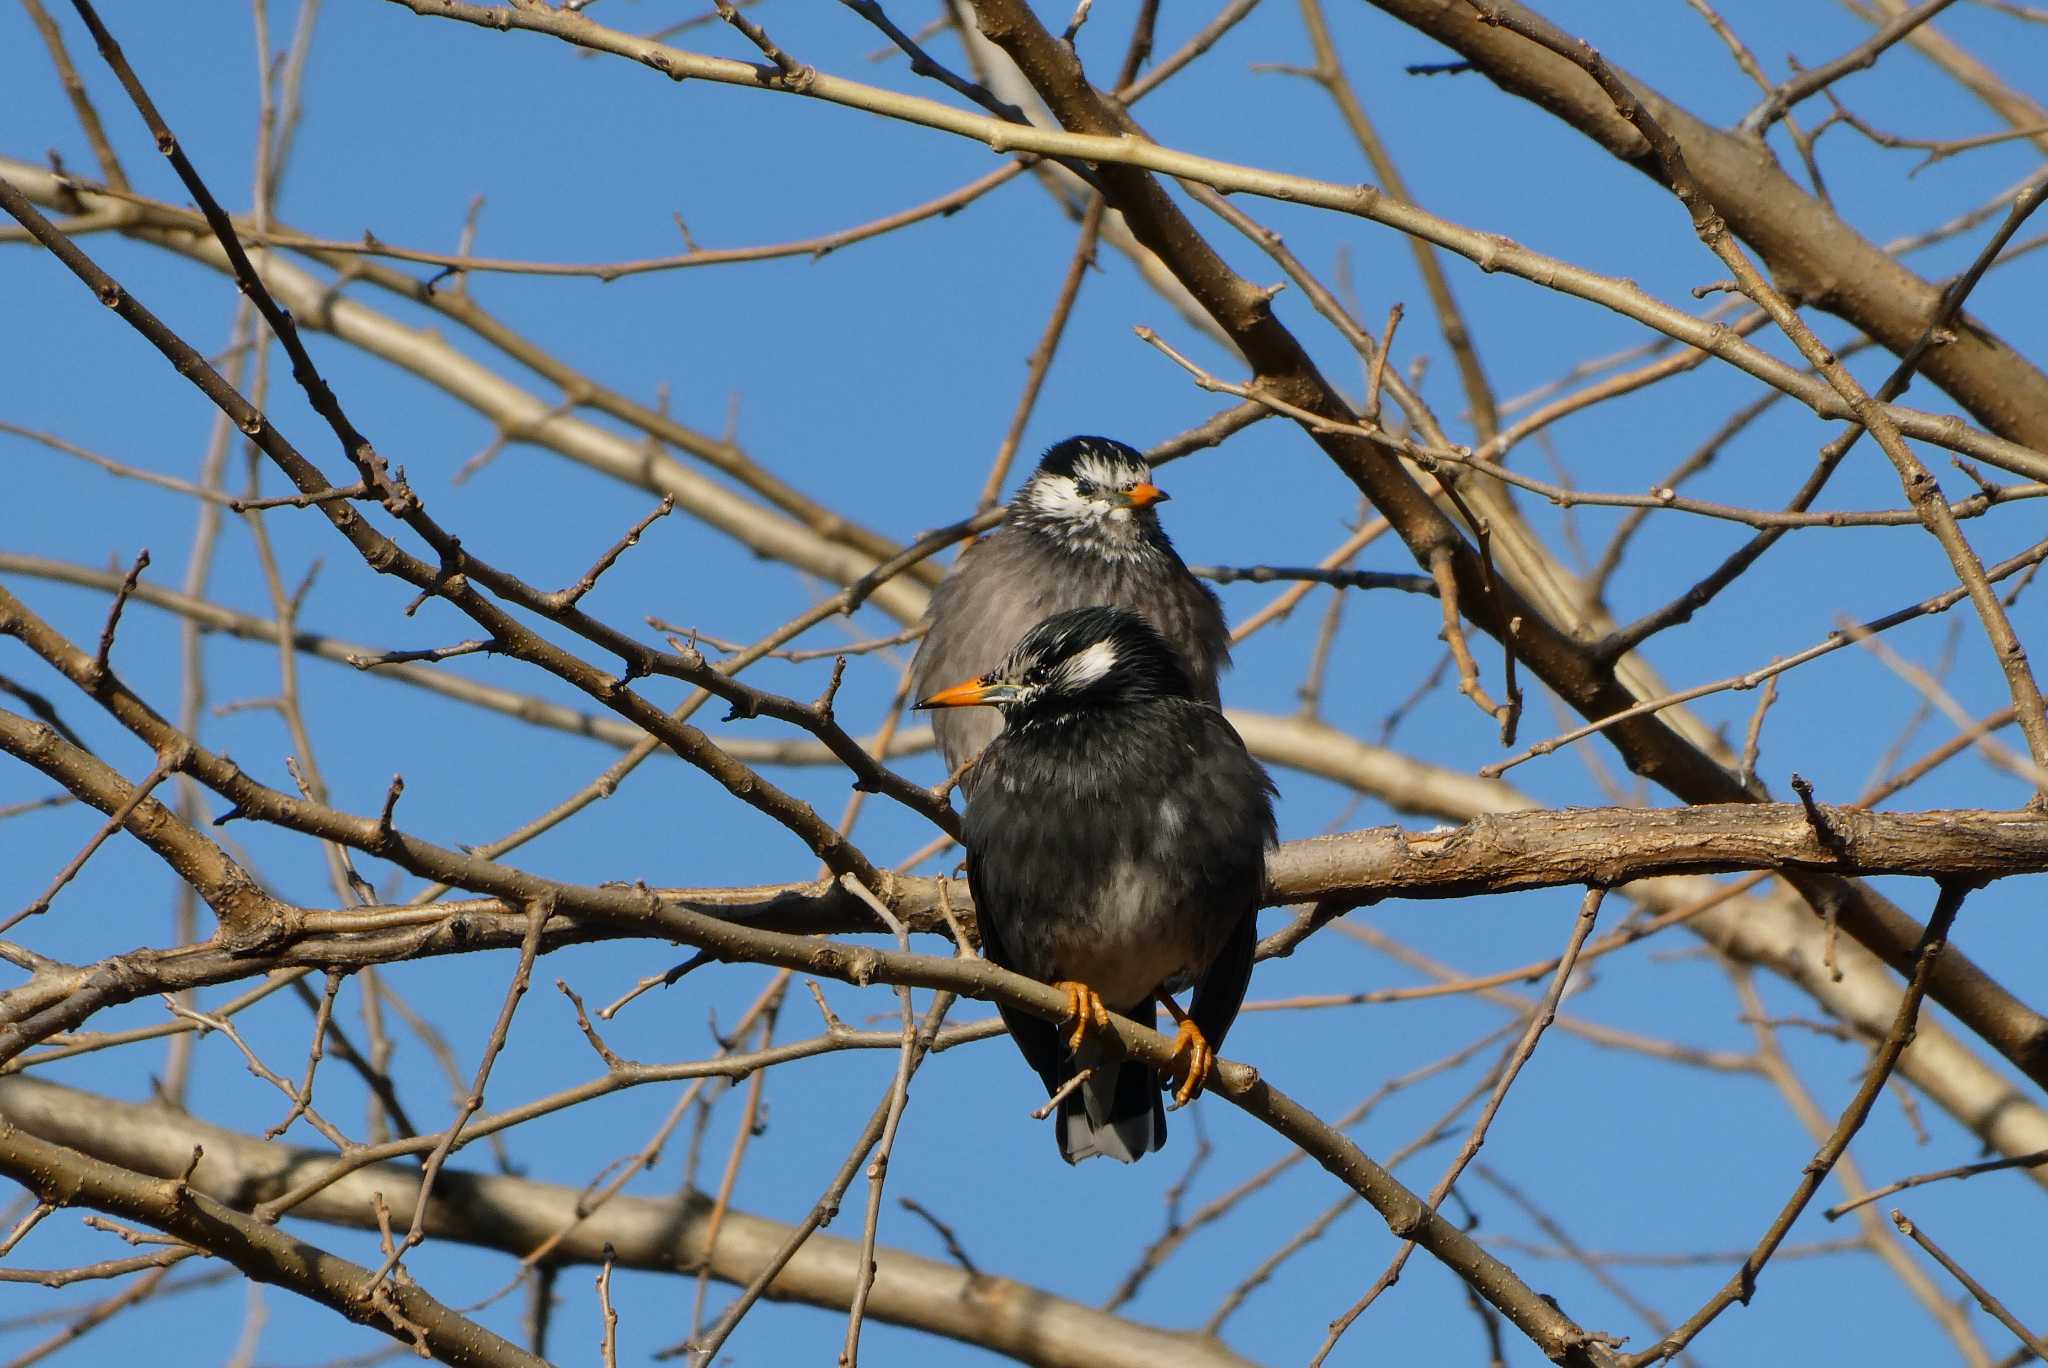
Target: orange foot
<point>1201,1059</point>
<point>1084,1010</point>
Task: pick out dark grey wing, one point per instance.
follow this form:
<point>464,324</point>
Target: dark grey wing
<point>1037,1040</point>
<point>949,642</point>
<point>1234,796</point>
<point>989,880</point>
<point>1220,991</point>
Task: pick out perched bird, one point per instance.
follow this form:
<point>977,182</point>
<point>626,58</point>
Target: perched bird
<point>1116,848</point>
<point>1081,531</point>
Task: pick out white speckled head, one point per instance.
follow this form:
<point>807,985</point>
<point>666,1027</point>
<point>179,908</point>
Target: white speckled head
<point>1093,494</point>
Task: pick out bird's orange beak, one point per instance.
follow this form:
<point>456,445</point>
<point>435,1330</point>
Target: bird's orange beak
<point>1145,495</point>
<point>963,695</point>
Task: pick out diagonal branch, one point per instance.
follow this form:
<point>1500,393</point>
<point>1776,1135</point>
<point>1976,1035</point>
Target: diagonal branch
<point>1816,79</point>
<point>1817,255</point>
<point>1742,1284</point>
<point>1923,491</point>
<point>235,897</point>
<point>1574,671</point>
<point>262,1251</point>
<point>2036,1345</point>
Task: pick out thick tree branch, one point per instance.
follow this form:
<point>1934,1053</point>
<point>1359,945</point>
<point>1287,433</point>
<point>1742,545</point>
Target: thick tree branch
<point>1493,853</point>
<point>238,900</point>
<point>1813,254</point>
<point>177,1205</point>
<point>664,1235</point>
<point>1922,490</point>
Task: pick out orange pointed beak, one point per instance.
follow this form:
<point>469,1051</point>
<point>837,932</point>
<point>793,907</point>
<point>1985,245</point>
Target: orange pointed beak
<point>966,695</point>
<point>1145,495</point>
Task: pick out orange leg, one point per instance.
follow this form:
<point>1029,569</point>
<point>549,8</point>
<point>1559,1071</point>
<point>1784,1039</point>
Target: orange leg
<point>1190,1041</point>
<point>1084,1010</point>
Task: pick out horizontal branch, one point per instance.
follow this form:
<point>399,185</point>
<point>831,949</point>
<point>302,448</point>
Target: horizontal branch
<point>58,999</point>
<point>1493,853</point>
<point>670,1235</point>
<point>1507,852</point>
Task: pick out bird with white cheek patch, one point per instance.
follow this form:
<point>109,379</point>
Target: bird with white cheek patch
<point>1083,530</point>
<point>1116,849</point>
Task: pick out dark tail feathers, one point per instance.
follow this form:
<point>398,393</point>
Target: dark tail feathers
<point>1121,1113</point>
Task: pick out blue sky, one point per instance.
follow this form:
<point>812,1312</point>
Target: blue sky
<point>880,380</point>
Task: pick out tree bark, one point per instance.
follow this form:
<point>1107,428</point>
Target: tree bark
<point>668,1235</point>
<point>1814,256</point>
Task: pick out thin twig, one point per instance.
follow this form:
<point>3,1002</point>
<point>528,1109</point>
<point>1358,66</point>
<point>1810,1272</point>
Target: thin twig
<point>1048,345</point>
<point>137,795</point>
<point>1740,1286</point>
<point>1539,1022</point>
<point>1960,1171</point>
<point>608,1343</point>
<point>537,917</point>
<point>2035,1343</point>
<point>878,1169</point>
<point>1863,55</point>
<point>954,1250</point>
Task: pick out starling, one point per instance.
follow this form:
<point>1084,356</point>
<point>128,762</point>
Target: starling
<point>1116,848</point>
<point>1081,531</point>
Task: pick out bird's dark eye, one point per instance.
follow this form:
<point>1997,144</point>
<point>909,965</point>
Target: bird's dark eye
<point>1085,488</point>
